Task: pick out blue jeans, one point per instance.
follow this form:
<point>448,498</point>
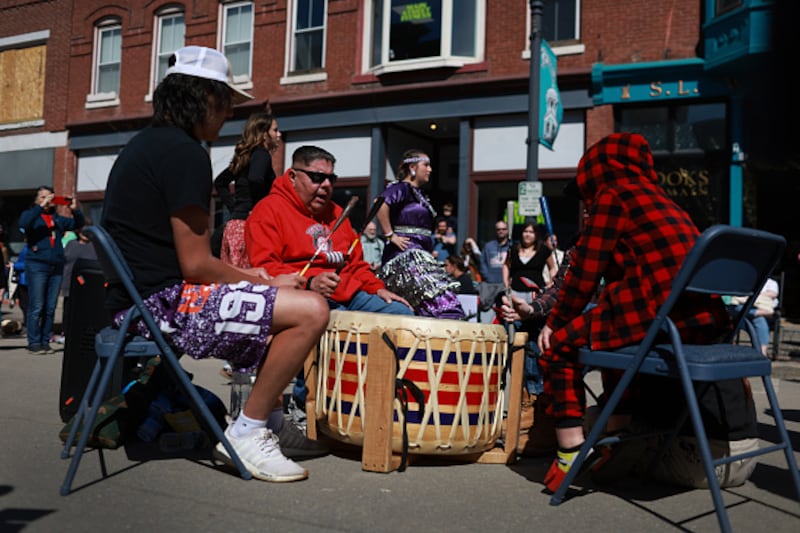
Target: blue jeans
<point>361,301</point>
<point>44,284</point>
<point>371,303</point>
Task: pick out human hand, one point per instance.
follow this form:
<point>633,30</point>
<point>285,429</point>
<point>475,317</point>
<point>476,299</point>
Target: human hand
<point>292,281</point>
<point>325,283</point>
<point>543,342</point>
<point>388,296</point>
<point>400,242</point>
<point>45,199</point>
<point>258,272</point>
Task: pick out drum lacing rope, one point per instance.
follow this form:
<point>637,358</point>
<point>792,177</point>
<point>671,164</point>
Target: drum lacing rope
<point>402,386</point>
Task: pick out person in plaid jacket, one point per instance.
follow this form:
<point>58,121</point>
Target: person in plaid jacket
<point>634,242</point>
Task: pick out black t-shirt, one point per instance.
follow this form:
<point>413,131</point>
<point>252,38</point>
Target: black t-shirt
<point>160,171</point>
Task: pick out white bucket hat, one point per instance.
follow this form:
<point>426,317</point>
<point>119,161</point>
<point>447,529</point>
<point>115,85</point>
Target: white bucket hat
<point>207,63</point>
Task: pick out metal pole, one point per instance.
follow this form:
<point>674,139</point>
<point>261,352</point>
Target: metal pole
<point>537,7</point>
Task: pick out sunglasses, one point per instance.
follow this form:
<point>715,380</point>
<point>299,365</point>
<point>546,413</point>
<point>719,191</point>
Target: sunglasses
<point>317,178</point>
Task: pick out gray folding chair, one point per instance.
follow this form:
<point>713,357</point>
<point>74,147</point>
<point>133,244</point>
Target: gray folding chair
<point>725,260</point>
<point>113,343</point>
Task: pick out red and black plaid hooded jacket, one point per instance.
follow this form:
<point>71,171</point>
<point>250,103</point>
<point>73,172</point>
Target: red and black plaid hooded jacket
<point>635,241</point>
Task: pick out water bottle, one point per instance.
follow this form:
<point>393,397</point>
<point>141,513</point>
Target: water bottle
<point>154,423</point>
<point>241,383</point>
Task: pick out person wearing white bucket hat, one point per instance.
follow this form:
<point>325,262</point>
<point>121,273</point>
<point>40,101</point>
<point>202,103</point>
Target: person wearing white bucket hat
<point>157,208</point>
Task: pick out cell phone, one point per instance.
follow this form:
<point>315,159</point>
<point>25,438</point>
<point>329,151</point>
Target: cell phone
<point>62,200</point>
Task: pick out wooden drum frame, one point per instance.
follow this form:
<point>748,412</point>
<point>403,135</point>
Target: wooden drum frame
<point>457,365</point>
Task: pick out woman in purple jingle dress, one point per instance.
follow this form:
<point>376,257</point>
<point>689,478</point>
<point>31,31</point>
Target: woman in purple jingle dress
<point>406,219</point>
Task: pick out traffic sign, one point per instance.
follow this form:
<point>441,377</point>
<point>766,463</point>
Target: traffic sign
<point>529,193</point>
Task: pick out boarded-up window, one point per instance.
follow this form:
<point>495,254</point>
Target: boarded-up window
<point>22,74</point>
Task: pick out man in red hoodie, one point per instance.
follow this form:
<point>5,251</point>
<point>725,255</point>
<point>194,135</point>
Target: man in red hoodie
<point>286,227</point>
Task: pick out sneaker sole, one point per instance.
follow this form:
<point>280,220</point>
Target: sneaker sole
<point>222,455</point>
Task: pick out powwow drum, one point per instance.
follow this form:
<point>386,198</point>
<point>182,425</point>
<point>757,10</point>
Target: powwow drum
<point>457,365</point>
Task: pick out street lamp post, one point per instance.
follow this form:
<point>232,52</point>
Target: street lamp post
<point>537,7</point>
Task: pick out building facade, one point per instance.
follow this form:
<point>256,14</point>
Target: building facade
<point>368,79</point>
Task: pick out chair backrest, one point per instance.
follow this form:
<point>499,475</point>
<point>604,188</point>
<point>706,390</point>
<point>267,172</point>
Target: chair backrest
<point>113,263</point>
<point>725,260</point>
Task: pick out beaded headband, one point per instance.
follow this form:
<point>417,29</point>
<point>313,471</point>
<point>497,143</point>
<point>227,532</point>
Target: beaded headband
<point>417,159</point>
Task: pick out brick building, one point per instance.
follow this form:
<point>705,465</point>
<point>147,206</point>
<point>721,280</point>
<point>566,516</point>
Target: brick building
<point>368,79</point>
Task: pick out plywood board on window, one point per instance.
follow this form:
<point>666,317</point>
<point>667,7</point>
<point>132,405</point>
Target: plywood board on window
<point>22,76</point>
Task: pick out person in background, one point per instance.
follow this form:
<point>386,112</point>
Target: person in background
<point>447,214</point>
<point>444,241</point>
<point>372,246</point>
<point>20,293</point>
<point>454,265</point>
<point>406,219</point>
<point>522,271</point>
<point>5,296</point>
<point>252,173</point>
<point>763,309</point>
<point>77,249</point>
<point>493,255</point>
<point>44,263</point>
<point>558,256</point>
<point>472,258</point>
<point>157,210</point>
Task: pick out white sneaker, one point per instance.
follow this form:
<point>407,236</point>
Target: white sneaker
<point>262,457</point>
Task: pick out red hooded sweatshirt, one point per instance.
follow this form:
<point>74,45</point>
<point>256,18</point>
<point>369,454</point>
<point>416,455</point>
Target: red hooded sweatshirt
<point>281,236</point>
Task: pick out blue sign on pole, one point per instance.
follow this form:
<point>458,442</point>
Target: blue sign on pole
<point>551,111</point>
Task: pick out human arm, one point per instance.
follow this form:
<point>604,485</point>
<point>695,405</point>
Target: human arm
<point>551,267</point>
<point>385,225</point>
<point>222,185</point>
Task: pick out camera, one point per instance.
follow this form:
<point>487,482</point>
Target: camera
<point>62,200</point>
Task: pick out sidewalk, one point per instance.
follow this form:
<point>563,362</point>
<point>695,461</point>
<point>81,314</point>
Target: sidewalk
<point>184,495</point>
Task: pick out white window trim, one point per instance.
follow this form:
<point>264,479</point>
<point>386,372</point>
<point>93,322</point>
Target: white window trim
<point>558,50</point>
<point>243,82</point>
<point>157,21</point>
<point>444,60</point>
<point>289,77</point>
<point>94,99</point>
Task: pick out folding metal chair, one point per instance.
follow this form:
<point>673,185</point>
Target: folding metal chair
<point>113,343</point>
<point>725,260</point>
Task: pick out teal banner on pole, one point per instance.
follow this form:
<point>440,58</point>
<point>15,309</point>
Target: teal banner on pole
<point>551,112</point>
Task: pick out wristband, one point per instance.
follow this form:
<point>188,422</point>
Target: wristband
<point>388,236</point>
<point>308,283</point>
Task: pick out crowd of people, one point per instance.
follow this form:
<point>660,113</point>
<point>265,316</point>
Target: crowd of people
<point>289,252</point>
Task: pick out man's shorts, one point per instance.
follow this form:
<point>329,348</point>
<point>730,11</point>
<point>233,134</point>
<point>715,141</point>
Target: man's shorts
<point>226,321</point>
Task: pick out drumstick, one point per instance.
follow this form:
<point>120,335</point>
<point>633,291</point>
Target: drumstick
<point>376,204</point>
<point>346,211</point>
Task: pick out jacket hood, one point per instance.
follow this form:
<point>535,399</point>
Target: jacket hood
<point>617,158</point>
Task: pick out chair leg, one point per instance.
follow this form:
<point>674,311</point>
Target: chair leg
<point>88,421</point>
<point>785,442</point>
<point>83,409</point>
<point>705,450</point>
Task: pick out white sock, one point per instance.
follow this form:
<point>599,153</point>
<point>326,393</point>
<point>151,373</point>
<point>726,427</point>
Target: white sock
<point>275,420</point>
<point>243,426</point>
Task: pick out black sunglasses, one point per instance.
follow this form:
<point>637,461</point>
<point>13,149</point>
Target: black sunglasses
<point>318,177</point>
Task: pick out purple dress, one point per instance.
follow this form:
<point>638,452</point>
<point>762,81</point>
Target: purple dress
<point>415,274</point>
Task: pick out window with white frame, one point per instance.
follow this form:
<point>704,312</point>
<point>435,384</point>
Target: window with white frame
<point>107,61</point>
<point>308,35</point>
<point>560,27</point>
<point>408,34</point>
<point>170,28</point>
<point>237,39</point>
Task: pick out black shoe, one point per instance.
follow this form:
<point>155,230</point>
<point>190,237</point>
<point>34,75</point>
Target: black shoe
<point>295,445</point>
<point>36,349</point>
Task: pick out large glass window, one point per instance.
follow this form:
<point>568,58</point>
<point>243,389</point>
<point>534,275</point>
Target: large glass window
<point>560,20</point>
<point>170,30</point>
<point>409,32</point>
<point>237,39</point>
<point>308,48</point>
<point>108,58</point>
<point>690,152</point>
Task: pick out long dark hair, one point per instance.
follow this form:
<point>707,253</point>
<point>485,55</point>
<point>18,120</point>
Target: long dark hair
<point>255,132</point>
<point>182,101</point>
